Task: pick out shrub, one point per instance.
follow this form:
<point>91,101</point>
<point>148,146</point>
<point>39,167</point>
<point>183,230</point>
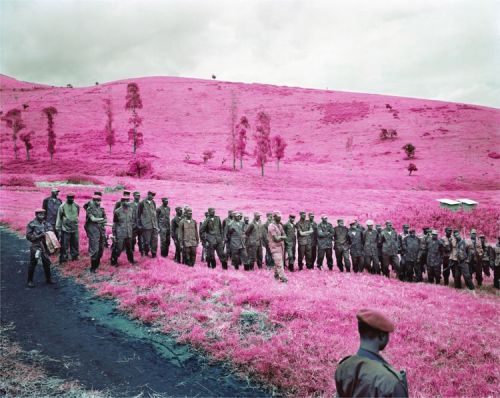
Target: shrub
<point>18,181</point>
<point>14,121</point>
<point>411,168</point>
<point>386,134</point>
<point>410,150</point>
<point>140,167</point>
<point>207,155</point>
<point>26,138</point>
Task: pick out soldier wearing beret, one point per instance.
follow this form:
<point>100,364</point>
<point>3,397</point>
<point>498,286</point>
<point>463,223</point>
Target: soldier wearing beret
<point>67,227</point>
<point>390,250</point>
<point>35,233</point>
<point>411,249</point>
<point>367,374</point>
<point>211,234</point>
<point>448,245</point>
<point>304,239</point>
<point>187,234</point>
<point>235,239</point>
<point>356,246</point>
<point>434,261</point>
<point>253,242</point>
<point>163,216</point>
<point>95,227</point>
<point>276,237</point>
<point>475,254</point>
<point>125,196</point>
<point>314,239</point>
<point>123,232</point>
<point>370,248</point>
<point>290,241</point>
<point>51,206</point>
<point>341,246</point>
<point>325,239</point>
<point>460,262</point>
<point>147,222</point>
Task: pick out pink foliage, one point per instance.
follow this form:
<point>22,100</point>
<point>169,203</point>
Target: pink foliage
<point>108,128</point>
<point>17,181</point>
<point>207,155</point>
<point>13,119</point>
<point>140,166</point>
<point>262,151</point>
<point>133,99</point>
<point>278,145</point>
<point>411,168</point>
<point>50,112</point>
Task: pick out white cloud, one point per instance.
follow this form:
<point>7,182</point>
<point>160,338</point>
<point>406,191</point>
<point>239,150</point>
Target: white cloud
<point>445,50</point>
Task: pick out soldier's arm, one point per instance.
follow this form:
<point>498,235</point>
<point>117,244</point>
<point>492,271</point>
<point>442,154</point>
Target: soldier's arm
<point>180,233</point>
<point>321,233</point>
<point>196,232</point>
<point>30,233</point>
<point>249,230</point>
<point>140,208</point>
<point>115,221</point>
<point>45,206</point>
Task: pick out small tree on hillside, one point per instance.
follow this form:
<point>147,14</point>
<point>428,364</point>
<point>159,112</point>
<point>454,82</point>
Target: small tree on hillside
<point>50,112</point>
<point>278,145</point>
<point>108,128</point>
<point>139,166</point>
<point>132,103</point>
<point>207,155</point>
<point>13,119</point>
<point>241,139</point>
<point>386,134</point>
<point>262,150</point>
<point>26,138</point>
<point>410,150</point>
<point>411,168</point>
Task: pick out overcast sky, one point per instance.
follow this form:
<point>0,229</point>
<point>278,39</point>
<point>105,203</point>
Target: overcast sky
<point>438,49</point>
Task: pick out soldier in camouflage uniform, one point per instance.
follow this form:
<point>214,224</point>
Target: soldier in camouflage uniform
<point>488,253</point>
<point>276,236</point>
<point>424,239</point>
<point>389,240</point>
<point>225,226</point>
<point>370,248</point>
<point>290,241</point>
<point>411,249</point>
<point>35,233</point>
<point>496,265</point>
<point>188,237</point>
<point>341,246</point>
<point>235,240</point>
<point>253,242</point>
<point>136,232</point>
<point>265,241</point>
<point>401,236</point>
<point>448,242</point>
<point>304,239</point>
<point>148,224</point>
<point>314,239</point>
<point>475,252</point>
<point>325,239</point>
<point>434,261</point>
<point>174,230</point>
<point>123,226</point>
<point>51,206</point>
<point>378,227</point>
<point>163,216</point>
<point>461,265</point>
<point>356,247</point>
<point>203,243</point>
<point>67,227</point>
<point>95,227</point>
<point>211,233</point>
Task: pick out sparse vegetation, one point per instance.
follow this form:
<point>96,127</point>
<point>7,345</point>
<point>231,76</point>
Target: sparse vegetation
<point>409,150</point>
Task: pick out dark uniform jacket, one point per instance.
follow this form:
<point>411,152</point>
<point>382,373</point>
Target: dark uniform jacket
<point>340,237</point>
<point>225,224</point>
<point>95,210</point>
<point>314,236</point>
<point>211,230</point>
<point>401,237</point>
<point>411,248</point>
<point>123,223</point>
<point>235,235</point>
<point>303,226</point>
<point>163,216</point>
<point>462,255</point>
<point>146,215</point>
<point>51,206</point>
<point>434,253</point>
<point>474,250</point>
<point>289,229</point>
<point>325,235</point>
<point>35,233</point>
<point>175,227</point>
<point>370,239</point>
<point>356,241</point>
<point>188,233</point>
<point>389,240</point>
<point>253,234</point>
<point>134,206</point>
<point>367,374</point>
<point>448,244</point>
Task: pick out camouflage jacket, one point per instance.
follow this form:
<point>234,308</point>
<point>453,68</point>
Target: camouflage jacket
<point>163,216</point>
<point>303,226</point>
<point>434,253</point>
<point>35,233</point>
<point>411,248</point>
<point>290,232</point>
<point>340,237</point>
<point>356,241</point>
<point>123,223</point>
<point>325,235</point>
<point>370,242</point>
<point>389,240</point>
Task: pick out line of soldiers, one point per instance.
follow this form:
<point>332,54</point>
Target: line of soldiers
<point>244,242</point>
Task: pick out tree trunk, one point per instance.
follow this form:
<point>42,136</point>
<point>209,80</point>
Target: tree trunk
<point>110,149</point>
<point>15,149</point>
<point>278,164</point>
<point>241,163</point>
<point>262,170</point>
<point>27,154</point>
<point>51,156</point>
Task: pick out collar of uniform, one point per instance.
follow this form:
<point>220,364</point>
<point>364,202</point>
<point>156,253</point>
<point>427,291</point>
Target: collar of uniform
<point>363,352</point>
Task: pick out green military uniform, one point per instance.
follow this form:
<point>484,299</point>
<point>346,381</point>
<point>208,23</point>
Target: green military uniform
<point>435,251</point>
<point>95,221</point>
<point>35,233</point>
<point>188,239</point>
<point>290,243</point>
<point>461,266</point>
<point>123,226</point>
<point>163,215</point>
<point>235,240</point>
<point>253,244</point>
<point>174,228</point>
<point>341,247</point>
<point>148,224</point>
<point>136,232</point>
<point>305,243</point>
<point>370,249</point>
<point>67,227</point>
<point>411,250</point>
<point>211,235</point>
<point>389,241</point>
<point>356,247</point>
<point>314,239</point>
<point>367,374</point>
<point>325,244</point>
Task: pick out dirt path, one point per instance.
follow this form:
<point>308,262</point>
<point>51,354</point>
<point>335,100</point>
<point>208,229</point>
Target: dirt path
<point>90,341</point>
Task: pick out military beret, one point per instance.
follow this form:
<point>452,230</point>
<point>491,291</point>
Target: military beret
<point>136,193</point>
<point>352,223</point>
<point>378,225</point>
<point>472,231</point>
<point>447,229</point>
<point>434,232</point>
<point>277,213</point>
<point>482,236</point>
<point>40,210</point>
<point>269,213</point>
<point>324,216</point>
<point>126,193</point>
<point>376,320</point>
<point>369,222</point>
<point>96,197</point>
<point>256,214</point>
<point>54,190</point>
<point>456,231</point>
<point>292,216</point>
<point>70,195</point>
<point>311,214</point>
<point>178,208</point>
<point>152,193</point>
<point>98,193</point>
<point>388,222</point>
<point>340,219</point>
<point>406,226</point>
<point>302,212</point>
<point>124,199</point>
<point>211,209</point>
<point>412,230</point>
<point>164,198</point>
<point>186,208</point>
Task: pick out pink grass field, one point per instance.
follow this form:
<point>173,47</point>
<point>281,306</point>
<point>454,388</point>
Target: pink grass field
<point>447,340</point>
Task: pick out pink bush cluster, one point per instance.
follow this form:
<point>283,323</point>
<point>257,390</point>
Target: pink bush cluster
<point>13,119</point>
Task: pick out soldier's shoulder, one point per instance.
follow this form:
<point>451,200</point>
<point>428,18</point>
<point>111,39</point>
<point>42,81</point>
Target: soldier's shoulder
<point>32,223</point>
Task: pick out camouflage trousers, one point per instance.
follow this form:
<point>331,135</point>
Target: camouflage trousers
<point>278,258</point>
